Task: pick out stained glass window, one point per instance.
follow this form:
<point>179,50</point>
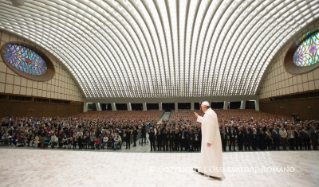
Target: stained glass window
<point>24,59</point>
<point>307,53</point>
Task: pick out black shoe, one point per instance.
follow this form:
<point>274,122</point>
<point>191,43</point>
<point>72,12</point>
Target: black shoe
<point>215,177</point>
<point>195,169</point>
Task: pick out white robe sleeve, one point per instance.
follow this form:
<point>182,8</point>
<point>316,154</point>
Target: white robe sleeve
<point>199,119</point>
<point>210,129</point>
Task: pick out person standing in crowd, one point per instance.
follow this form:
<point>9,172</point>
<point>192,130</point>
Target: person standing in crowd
<point>36,141</point>
<point>134,136</point>
<point>232,137</point>
<point>275,137</point>
<point>254,139</point>
<point>159,140</point>
<point>298,138</point>
<point>196,140</point>
<point>240,139</point>
<point>53,141</point>
<point>191,139</point>
<point>184,139</point>
<point>80,136</point>
<point>117,141</point>
<point>224,139</point>
<point>74,141</point>
<point>177,139</point>
<point>291,136</point>
<point>96,142</point>
<point>151,136</point>
<point>164,140</point>
<point>314,137</point>
<point>306,138</point>
<point>128,138</point>
<point>42,137</point>
<point>171,137</point>
<point>143,134</point>
<point>105,140</point>
<point>283,137</point>
<point>261,140</point>
<point>65,142</point>
<point>247,135</point>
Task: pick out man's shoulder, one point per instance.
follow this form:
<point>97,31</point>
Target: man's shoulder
<point>210,112</point>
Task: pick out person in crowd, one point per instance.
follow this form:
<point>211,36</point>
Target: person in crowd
<point>53,141</point>
<point>151,136</point>
<point>69,142</point>
<point>298,138</point>
<point>306,138</point>
<point>254,139</point>
<point>224,139</point>
<point>247,138</point>
<point>314,137</point>
<point>291,136</point>
<point>65,142</point>
<point>143,135</point>
<point>261,139</point>
<point>36,142</point>
<point>164,140</point>
<point>184,137</point>
<point>96,142</point>
<point>240,138</point>
<point>135,136</point>
<point>275,137</point>
<point>117,141</point>
<point>159,140</point>
<point>111,141</point>
<point>128,138</point>
<point>283,137</point>
<point>105,140</point>
<point>232,136</point>
<point>177,139</point>
<point>197,139</point>
<point>171,137</point>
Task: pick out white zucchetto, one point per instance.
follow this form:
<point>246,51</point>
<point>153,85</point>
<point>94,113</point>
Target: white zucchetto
<point>206,103</point>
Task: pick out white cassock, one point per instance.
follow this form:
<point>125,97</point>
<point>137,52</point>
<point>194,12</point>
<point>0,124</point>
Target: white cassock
<point>211,159</point>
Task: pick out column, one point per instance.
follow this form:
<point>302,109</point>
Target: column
<point>98,107</point>
<point>176,106</point>
<point>257,105</point>
<point>192,106</point>
<point>129,107</point>
<point>242,104</point>
<point>225,105</point>
<point>144,107</point>
<point>160,106</point>
<point>85,107</point>
<point>114,107</point>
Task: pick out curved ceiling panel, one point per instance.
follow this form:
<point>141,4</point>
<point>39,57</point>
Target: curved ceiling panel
<point>161,48</point>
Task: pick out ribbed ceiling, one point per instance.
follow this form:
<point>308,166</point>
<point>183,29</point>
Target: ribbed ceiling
<point>161,48</point>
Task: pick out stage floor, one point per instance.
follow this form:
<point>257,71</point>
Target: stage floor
<point>28,167</point>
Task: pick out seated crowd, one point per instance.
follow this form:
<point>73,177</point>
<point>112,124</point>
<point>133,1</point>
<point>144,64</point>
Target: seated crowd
<point>241,129</point>
<point>91,130</point>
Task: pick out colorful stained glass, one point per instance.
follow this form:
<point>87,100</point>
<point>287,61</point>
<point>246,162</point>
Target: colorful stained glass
<point>24,59</point>
<point>307,53</point>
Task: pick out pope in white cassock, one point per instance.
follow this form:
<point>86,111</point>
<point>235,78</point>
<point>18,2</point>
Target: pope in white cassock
<point>211,159</point>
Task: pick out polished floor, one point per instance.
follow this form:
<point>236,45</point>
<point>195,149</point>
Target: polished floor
<point>30,167</point>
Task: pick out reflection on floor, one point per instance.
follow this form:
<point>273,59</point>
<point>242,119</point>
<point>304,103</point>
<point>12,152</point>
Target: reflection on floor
<point>29,167</point>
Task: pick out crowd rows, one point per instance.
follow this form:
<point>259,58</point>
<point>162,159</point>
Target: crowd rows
<point>239,129</point>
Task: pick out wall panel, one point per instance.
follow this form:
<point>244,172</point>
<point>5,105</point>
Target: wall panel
<point>34,109</point>
<point>307,108</point>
